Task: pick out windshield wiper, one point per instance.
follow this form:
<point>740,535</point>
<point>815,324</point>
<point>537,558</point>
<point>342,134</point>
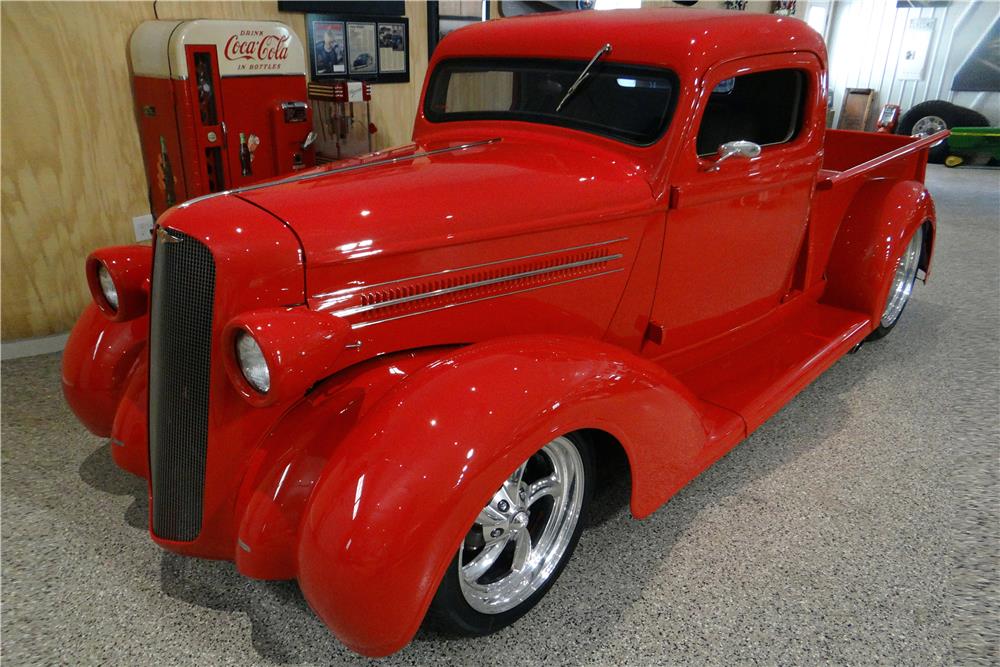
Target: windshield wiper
<point>583,75</point>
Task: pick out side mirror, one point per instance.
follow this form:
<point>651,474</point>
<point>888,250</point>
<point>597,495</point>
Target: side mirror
<point>743,149</point>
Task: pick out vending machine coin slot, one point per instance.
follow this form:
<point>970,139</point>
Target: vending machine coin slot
<point>291,125</point>
<point>294,112</point>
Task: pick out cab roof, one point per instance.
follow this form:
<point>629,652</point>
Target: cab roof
<point>685,40</point>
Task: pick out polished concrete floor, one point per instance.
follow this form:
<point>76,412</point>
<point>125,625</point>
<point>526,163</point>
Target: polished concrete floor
<point>859,525</point>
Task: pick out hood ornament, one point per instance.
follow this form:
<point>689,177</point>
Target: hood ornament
<point>166,237</point>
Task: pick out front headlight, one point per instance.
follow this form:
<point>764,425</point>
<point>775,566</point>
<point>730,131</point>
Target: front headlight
<point>252,362</point>
<point>107,286</point>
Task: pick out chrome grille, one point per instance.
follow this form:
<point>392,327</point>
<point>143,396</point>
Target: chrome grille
<point>180,345</point>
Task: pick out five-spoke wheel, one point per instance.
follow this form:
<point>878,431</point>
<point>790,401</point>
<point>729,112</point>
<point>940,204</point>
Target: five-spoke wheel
<point>520,541</point>
<point>902,285</point>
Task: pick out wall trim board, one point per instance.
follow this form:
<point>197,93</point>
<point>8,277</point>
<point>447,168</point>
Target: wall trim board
<point>32,347</point>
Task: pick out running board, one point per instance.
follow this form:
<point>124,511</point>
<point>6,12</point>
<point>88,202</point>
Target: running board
<point>757,379</point>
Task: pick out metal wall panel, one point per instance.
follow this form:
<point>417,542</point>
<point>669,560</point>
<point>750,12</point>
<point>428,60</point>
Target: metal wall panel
<point>865,42</point>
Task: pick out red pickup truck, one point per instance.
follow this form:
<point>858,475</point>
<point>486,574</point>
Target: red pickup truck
<point>623,233</point>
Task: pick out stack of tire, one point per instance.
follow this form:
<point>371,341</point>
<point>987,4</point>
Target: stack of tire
<point>934,114</point>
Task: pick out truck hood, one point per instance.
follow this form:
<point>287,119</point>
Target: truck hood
<point>446,195</point>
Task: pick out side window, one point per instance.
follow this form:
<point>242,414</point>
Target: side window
<point>765,108</point>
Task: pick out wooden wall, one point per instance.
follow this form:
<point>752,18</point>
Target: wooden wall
<point>72,175</point>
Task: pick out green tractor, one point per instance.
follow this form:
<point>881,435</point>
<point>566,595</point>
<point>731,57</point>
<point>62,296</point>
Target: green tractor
<point>972,141</point>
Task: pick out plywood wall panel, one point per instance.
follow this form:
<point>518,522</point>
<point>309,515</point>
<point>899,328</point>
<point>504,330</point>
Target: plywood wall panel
<point>72,172</point>
<point>258,10</point>
<point>72,175</point>
<point>880,27</point>
<point>395,104</point>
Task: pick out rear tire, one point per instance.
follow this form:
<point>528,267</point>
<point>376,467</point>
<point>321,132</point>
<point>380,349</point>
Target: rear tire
<point>901,287</point>
<point>519,543</point>
<point>934,114</point>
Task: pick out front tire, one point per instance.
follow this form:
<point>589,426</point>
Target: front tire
<point>519,543</point>
<point>902,285</point>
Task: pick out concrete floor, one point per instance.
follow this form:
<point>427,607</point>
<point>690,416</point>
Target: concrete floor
<point>859,525</point>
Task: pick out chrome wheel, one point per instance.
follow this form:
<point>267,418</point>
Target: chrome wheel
<point>519,538</point>
<point>927,126</point>
<point>902,281</point>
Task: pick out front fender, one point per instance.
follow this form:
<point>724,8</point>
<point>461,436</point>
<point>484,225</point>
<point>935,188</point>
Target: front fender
<point>99,357</point>
<point>872,238</point>
<point>284,467</point>
<point>130,430</point>
<point>400,492</point>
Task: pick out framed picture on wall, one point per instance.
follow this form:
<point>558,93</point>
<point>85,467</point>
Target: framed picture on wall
<point>327,48</point>
<point>394,50</point>
<point>362,54</point>
<point>783,7</point>
<point>361,48</point>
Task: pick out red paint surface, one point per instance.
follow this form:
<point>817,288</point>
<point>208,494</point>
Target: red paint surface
<point>703,302</point>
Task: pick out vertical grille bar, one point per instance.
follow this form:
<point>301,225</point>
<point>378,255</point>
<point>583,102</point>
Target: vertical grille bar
<point>180,345</point>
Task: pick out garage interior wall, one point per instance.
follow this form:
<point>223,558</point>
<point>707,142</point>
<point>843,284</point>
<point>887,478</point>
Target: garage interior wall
<point>959,26</point>
<point>72,176</point>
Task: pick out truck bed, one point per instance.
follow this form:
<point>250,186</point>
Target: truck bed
<point>848,154</point>
<point>851,159</point>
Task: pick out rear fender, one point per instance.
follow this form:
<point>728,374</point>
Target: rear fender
<point>99,358</point>
<point>874,234</point>
<point>399,493</point>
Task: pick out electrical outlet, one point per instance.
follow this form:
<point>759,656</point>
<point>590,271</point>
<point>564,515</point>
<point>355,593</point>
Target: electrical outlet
<point>143,226</point>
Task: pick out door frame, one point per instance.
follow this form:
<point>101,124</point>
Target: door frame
<point>691,186</point>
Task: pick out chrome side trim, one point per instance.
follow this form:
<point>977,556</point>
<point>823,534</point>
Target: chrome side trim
<point>361,325</point>
<point>473,285</point>
<point>443,272</point>
<point>341,170</point>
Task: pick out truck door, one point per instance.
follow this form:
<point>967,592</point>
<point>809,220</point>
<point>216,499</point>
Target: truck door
<point>734,229</point>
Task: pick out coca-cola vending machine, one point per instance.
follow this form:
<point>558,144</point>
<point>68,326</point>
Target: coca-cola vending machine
<point>221,104</point>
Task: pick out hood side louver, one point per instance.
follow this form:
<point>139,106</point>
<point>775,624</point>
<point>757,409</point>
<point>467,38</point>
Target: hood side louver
<point>449,287</point>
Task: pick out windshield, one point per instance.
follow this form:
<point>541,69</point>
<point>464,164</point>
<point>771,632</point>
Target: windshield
<point>625,102</point>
